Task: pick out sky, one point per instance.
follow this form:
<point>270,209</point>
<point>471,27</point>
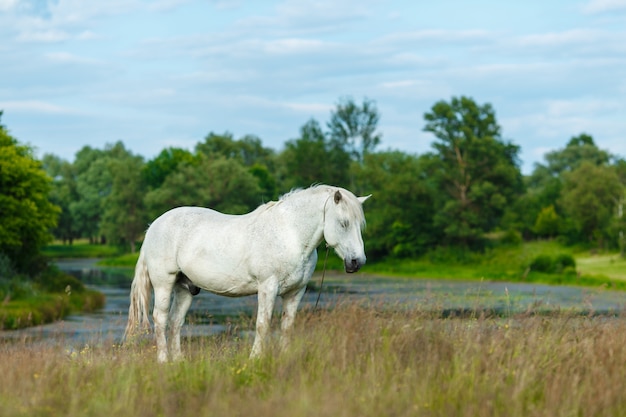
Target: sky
<point>163,73</point>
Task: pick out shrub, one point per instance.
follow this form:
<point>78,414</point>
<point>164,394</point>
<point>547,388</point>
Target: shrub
<point>542,263</point>
<point>557,264</point>
<point>453,255</point>
<point>564,261</point>
<point>55,281</point>
<point>511,237</point>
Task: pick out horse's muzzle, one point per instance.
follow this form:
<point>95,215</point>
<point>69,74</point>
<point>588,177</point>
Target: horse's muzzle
<point>353,265</point>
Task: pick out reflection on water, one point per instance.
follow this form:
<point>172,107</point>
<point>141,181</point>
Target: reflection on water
<point>211,314</point>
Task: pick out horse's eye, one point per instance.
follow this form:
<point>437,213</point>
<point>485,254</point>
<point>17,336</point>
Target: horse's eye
<point>344,224</point>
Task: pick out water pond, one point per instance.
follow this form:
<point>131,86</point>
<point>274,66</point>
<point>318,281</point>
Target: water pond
<point>212,314</point>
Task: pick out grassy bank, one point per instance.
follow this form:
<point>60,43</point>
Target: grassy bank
<point>48,298</point>
<point>351,361</point>
<point>514,264</point>
<point>80,249</point>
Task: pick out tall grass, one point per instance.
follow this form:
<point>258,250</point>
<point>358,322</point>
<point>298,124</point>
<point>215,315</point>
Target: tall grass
<point>352,361</point>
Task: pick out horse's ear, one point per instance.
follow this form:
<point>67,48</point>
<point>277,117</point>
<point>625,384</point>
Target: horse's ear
<point>362,199</point>
<point>337,196</point>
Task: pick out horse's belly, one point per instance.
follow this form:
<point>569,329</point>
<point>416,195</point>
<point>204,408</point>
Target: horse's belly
<point>240,291</point>
<point>227,286</point>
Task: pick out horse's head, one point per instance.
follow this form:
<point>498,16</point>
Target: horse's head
<point>343,220</point>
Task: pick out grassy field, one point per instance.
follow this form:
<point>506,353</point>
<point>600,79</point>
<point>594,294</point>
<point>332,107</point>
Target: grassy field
<point>81,248</point>
<point>612,265</point>
<point>350,361</point>
<point>512,264</point>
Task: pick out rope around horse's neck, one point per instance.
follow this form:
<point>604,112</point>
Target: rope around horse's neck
<point>319,293</point>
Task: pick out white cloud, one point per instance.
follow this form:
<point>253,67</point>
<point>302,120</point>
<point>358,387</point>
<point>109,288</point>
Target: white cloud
<point>604,6</point>
<point>45,36</point>
<point>37,106</point>
<point>6,5</point>
<point>309,108</point>
<point>66,57</point>
<point>399,84</point>
<point>294,45</point>
<point>573,36</point>
<point>580,107</point>
<point>166,5</point>
<point>293,11</point>
<point>437,36</point>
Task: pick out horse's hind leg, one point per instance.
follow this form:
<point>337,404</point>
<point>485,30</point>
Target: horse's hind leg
<point>180,306</point>
<point>162,295</point>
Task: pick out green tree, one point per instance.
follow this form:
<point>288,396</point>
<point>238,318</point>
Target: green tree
<point>400,216</point>
<point>221,184</point>
<point>124,218</point>
<point>247,151</point>
<point>93,185</point>
<point>545,184</point>
<point>590,197</point>
<point>312,158</point>
<point>25,209</point>
<point>477,172</point>
<point>354,127</point>
<point>156,170</point>
<point>63,194</point>
<point>618,227</point>
<point>579,149</point>
<point>548,222</point>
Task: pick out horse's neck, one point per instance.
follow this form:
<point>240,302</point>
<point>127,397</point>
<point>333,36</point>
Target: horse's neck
<point>307,215</point>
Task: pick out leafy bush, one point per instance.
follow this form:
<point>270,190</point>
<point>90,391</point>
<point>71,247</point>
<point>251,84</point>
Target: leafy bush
<point>553,264</point>
<point>55,281</point>
<point>511,237</point>
<point>564,261</point>
<point>453,255</point>
<point>542,263</point>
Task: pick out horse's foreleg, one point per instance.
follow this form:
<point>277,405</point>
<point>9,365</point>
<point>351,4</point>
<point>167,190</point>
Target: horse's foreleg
<point>266,300</point>
<point>180,306</point>
<point>290,307</point>
<point>161,309</point>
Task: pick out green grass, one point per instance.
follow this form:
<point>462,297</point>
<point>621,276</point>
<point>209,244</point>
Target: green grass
<point>610,265</point>
<point>80,249</point>
<point>49,297</point>
<point>125,261</point>
<point>512,264</point>
<point>350,361</point>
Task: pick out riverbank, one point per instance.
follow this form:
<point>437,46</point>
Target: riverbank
<point>50,297</point>
<point>211,314</point>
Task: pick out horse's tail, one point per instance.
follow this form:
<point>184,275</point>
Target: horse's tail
<point>140,297</point>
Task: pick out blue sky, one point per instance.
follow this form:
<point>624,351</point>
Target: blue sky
<point>166,73</point>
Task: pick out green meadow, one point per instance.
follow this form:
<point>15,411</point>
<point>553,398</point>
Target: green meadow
<point>352,360</point>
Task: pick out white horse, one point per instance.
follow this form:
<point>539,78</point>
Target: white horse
<point>270,251</point>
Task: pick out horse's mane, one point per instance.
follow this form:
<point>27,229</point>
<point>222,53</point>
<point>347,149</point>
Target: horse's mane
<point>354,207</point>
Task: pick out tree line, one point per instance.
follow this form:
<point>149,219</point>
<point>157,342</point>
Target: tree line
<point>466,193</point>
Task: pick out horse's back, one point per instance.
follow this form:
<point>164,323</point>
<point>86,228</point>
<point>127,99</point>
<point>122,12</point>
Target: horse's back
<point>170,231</point>
<point>196,241</point>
